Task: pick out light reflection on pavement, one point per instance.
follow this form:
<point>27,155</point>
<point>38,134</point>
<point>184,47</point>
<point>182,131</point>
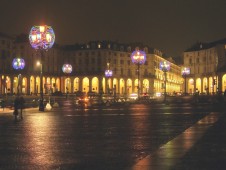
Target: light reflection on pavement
<point>90,138</point>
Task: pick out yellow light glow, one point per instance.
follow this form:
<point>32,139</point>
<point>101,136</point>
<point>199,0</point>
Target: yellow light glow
<point>33,37</point>
<point>48,37</point>
<point>42,28</point>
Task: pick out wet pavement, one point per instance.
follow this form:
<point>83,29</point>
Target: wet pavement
<point>128,137</point>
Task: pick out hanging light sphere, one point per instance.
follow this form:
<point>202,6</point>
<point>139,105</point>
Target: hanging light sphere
<point>18,63</point>
<point>41,37</point>
<point>67,68</point>
<point>185,71</point>
<point>108,73</point>
<point>138,57</point>
<point>164,66</point>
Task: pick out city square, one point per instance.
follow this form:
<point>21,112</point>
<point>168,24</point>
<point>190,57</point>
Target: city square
<point>112,85</point>
<point>124,136</point>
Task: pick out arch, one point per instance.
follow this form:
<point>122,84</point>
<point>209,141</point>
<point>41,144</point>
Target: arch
<point>224,82</point>
<point>67,85</point>
<point>205,85</point>
<point>145,86</point>
<point>76,84</point>
<point>129,86</point>
<point>57,88</point>
<point>15,85</point>
<point>122,86</point>
<point>32,84</point>
<point>191,86</point>
<point>24,85</point>
<point>95,84</point>
<point>198,85</point>
<point>37,80</point>
<point>210,84</point>
<point>85,84</point>
<point>135,85</point>
<point>115,85</point>
<point>53,85</point>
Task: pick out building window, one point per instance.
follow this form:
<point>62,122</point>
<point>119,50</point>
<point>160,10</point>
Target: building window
<point>197,60</point>
<point>121,71</point>
<point>129,72</point>
<point>121,62</point>
<point>115,61</point>
<point>128,62</point>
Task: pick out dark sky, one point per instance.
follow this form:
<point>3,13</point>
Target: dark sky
<point>171,26</point>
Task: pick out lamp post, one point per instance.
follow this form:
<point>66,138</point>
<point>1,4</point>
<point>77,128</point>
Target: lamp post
<point>165,66</point>
<point>18,64</point>
<point>67,69</point>
<point>138,57</point>
<point>41,104</point>
<point>108,74</point>
<point>41,38</point>
<point>185,71</point>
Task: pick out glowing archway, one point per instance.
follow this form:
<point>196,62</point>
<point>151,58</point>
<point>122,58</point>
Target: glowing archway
<point>76,84</point>
<point>95,83</point>
<point>224,82</point>
<point>145,86</point>
<point>198,85</point>
<point>191,86</point>
<point>85,85</point>
<point>122,86</point>
<point>129,86</point>
<point>32,85</point>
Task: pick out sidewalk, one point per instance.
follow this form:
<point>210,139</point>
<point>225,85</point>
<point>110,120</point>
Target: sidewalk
<point>201,147</point>
<point>209,153</point>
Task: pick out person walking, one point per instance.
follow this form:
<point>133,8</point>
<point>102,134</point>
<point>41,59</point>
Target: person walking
<point>16,106</point>
<point>21,105</point>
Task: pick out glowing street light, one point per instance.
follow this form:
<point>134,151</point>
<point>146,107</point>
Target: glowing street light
<point>138,57</point>
<point>18,64</point>
<point>185,71</point>
<point>164,66</point>
<point>41,38</point>
<point>67,69</point>
<point>108,74</point>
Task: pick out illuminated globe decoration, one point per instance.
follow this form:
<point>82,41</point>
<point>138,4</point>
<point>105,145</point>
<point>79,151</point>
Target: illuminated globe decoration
<point>18,63</point>
<point>164,66</point>
<point>138,57</point>
<point>108,73</point>
<point>41,37</point>
<point>185,71</point>
<point>67,68</point>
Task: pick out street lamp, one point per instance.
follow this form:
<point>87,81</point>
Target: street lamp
<point>165,66</point>
<point>41,104</point>
<point>138,57</point>
<point>41,38</point>
<point>67,69</point>
<point>108,74</point>
<point>18,64</point>
<point>185,71</point>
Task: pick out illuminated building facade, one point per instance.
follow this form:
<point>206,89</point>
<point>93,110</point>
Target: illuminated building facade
<point>207,63</point>
<point>89,62</point>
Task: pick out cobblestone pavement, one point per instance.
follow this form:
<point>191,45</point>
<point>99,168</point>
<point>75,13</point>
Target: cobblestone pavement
<point>92,139</point>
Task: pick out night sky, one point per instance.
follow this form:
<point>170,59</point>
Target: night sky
<point>171,26</point>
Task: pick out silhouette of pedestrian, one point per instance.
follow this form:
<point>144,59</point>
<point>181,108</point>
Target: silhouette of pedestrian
<point>3,104</point>
<point>21,105</point>
<point>16,106</point>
